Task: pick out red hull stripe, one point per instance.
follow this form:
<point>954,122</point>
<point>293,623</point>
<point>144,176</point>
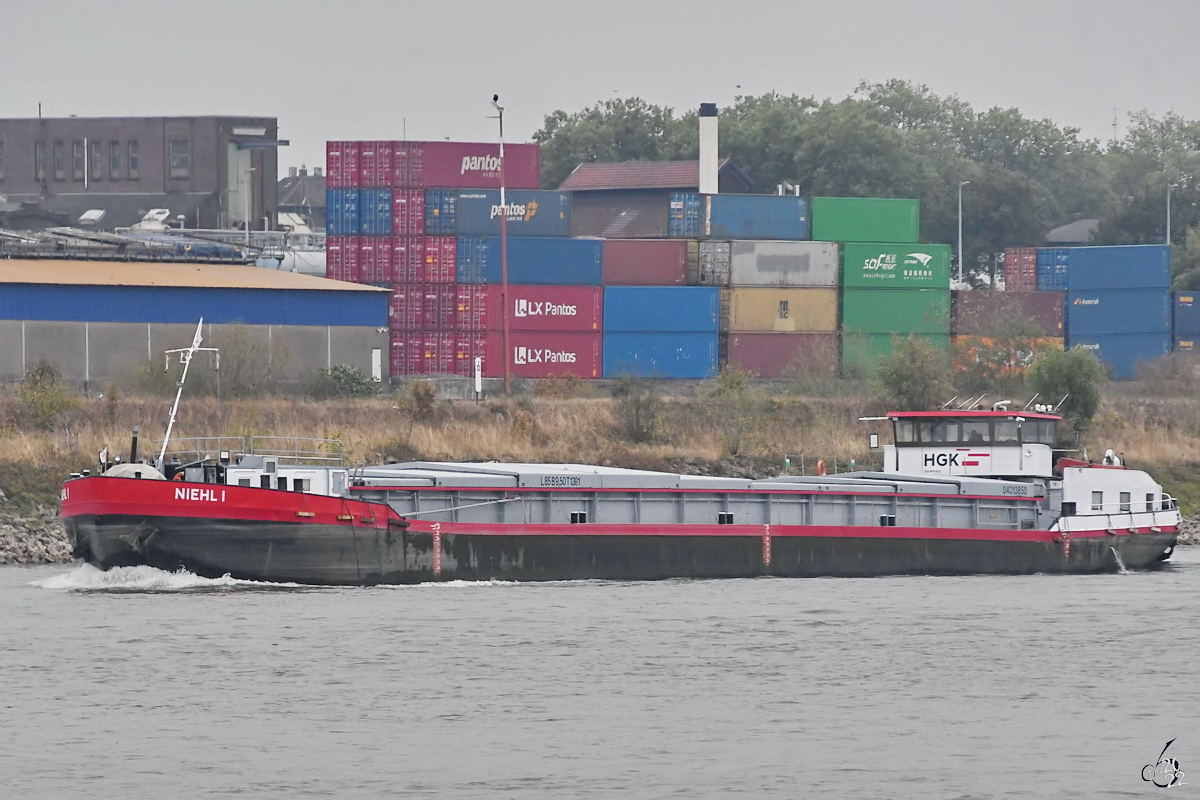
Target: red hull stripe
<point>755,531</point>
<point>129,496</point>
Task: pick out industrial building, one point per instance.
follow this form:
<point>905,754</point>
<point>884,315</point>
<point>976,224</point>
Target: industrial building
<point>101,322</point>
<point>211,172</point>
<point>629,200</point>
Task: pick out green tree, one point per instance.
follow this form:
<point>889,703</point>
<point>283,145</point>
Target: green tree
<point>45,397</point>
<point>638,408</point>
<point>342,381</point>
<point>1073,374</point>
<point>915,377</point>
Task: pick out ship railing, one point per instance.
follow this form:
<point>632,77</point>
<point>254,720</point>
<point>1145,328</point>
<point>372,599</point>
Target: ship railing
<point>287,449</point>
<point>297,450</point>
<point>1118,515</point>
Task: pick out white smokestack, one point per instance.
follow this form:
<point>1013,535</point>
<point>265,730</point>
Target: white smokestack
<point>708,148</point>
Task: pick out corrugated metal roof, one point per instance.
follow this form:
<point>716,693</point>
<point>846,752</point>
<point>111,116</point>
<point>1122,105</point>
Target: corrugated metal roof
<point>119,273</point>
<point>636,175</point>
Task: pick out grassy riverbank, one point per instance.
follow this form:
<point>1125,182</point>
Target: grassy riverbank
<point>719,428</point>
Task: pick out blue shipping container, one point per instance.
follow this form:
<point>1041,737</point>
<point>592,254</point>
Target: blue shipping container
<point>1118,311</point>
<point>1187,314</point>
<point>660,355</point>
<point>662,309</point>
<point>186,304</point>
<point>1052,264</point>
<point>531,260</point>
<point>1132,266</point>
<point>683,216</point>
<point>531,212</point>
<point>1123,351</point>
<point>755,216</point>
<point>440,212</point>
<point>341,212</point>
<point>375,212</point>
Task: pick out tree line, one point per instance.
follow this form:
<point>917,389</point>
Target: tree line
<point>899,139</point>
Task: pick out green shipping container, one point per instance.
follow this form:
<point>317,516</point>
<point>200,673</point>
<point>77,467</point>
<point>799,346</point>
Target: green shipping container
<point>865,219</point>
<point>862,352</point>
<point>896,310</point>
<point>903,266</point>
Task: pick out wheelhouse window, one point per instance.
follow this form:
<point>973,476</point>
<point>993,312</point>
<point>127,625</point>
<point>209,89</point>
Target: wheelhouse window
<point>1,161</point>
<point>1006,431</point>
<point>133,165</point>
<point>906,431</point>
<point>947,431</point>
<point>1126,504</point>
<point>1150,501</point>
<point>1097,501</point>
<point>976,431</point>
<point>114,161</point>
<point>39,161</point>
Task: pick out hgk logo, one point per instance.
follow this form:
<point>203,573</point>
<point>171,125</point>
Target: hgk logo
<point>941,460</point>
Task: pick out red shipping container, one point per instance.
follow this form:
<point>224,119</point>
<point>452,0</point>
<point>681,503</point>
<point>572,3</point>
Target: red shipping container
<point>408,212</point>
<point>341,258</point>
<point>466,165</point>
<point>375,164</point>
<point>777,355</point>
<point>471,307</point>
<point>408,353</point>
<point>545,354</point>
<point>984,313</point>
<point>440,306</point>
<point>341,165</point>
<point>408,259</point>
<point>439,353</point>
<point>407,311</point>
<point>645,262</point>
<point>467,348</point>
<point>368,247</point>
<point>531,308</point>
<point>441,253</point>
<point>1020,269</point>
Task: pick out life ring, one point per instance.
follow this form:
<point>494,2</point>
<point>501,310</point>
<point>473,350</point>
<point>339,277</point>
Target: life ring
<point>821,466</point>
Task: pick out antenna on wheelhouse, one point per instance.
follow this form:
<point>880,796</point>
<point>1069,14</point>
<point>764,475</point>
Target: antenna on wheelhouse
<point>185,358</point>
<point>1035,397</point>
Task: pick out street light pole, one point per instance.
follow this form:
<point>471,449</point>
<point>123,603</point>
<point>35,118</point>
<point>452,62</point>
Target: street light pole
<point>1169,187</point>
<point>246,197</point>
<point>960,261</point>
<point>503,255</point>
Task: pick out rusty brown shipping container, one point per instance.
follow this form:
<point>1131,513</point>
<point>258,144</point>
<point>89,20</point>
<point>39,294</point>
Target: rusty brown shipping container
<point>781,355</point>
<point>780,310</point>
<point>645,262</point>
<point>983,313</point>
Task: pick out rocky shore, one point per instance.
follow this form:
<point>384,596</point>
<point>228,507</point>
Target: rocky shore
<point>32,537</point>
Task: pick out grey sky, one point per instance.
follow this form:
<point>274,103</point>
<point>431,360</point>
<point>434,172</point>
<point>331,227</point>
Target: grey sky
<point>352,69</point>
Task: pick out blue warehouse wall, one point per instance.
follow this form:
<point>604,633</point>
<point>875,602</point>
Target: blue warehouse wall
<point>170,304</point>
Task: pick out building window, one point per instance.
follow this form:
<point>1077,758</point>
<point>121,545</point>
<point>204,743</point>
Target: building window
<point>78,161</point>
<point>181,158</point>
<point>97,156</point>
<point>1,161</point>
<point>133,160</point>
<point>60,158</point>
<point>114,161</point>
<point>39,161</point>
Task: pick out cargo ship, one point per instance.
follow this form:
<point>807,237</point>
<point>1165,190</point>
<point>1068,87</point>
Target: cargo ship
<point>959,493</point>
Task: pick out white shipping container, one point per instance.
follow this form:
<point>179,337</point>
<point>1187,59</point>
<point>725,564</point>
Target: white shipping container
<point>769,263</point>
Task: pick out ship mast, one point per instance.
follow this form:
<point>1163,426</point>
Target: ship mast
<point>185,358</point>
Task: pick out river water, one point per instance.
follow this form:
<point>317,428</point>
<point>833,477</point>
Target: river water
<point>140,683</point>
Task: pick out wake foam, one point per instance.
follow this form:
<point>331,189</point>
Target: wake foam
<point>85,578</point>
